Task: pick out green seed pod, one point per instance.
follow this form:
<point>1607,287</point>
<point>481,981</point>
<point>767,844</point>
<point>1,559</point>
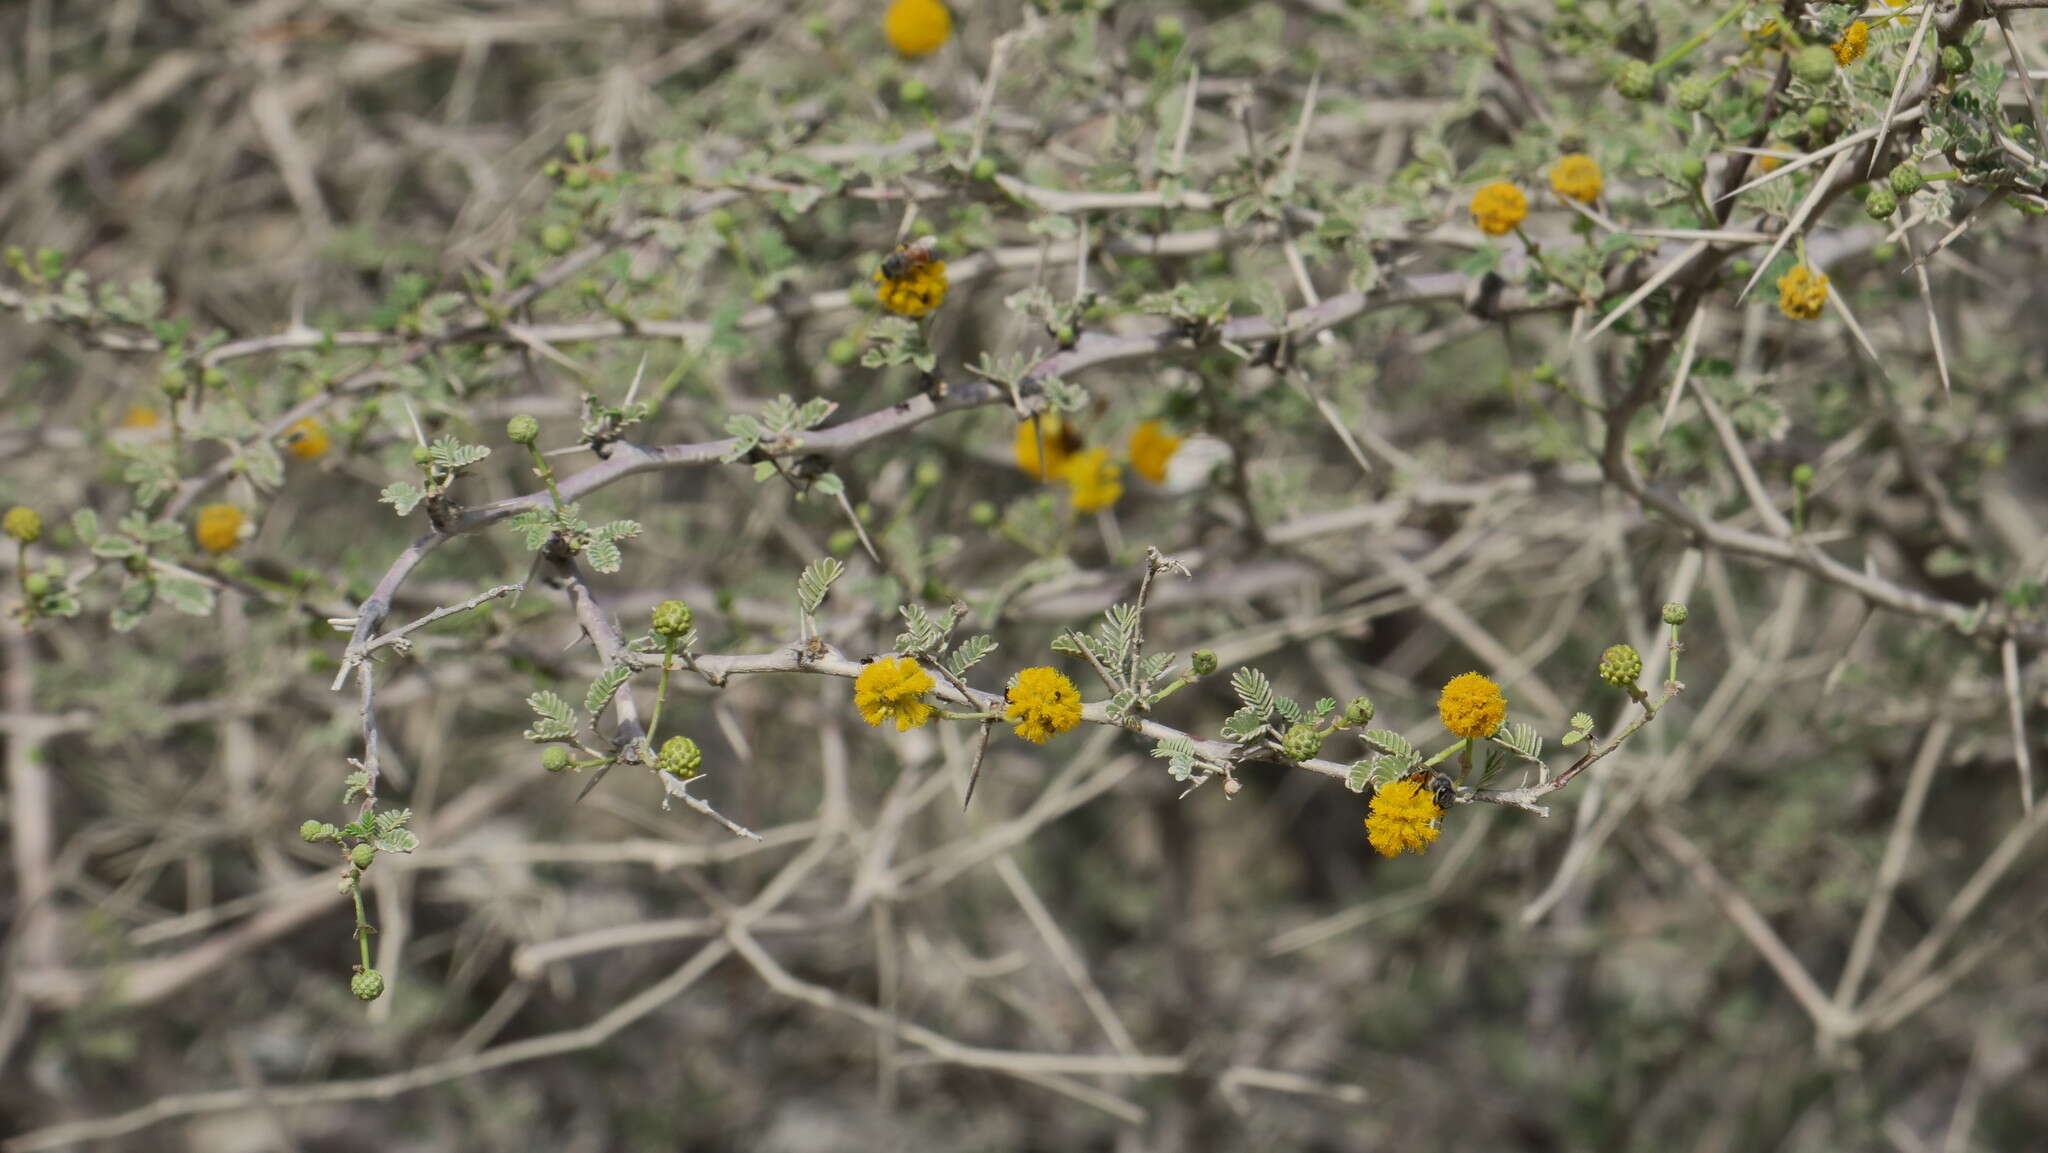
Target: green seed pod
<point>309,831</point>
<point>362,855</point>
<point>522,429</point>
<point>1620,665</point>
<point>1635,80</point>
<point>1693,93</point>
<point>557,238</point>
<point>1814,64</point>
<point>1203,662</point>
<point>367,984</point>
<point>673,619</point>
<point>1906,179</point>
<point>1359,711</point>
<point>1675,613</point>
<point>1880,203</point>
<point>554,759</point>
<point>1302,742</point>
<point>680,757</point>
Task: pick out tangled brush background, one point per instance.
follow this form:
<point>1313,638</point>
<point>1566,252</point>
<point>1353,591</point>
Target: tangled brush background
<point>1035,575</point>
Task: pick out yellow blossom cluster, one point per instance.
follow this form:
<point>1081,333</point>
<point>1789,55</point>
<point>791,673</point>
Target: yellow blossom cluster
<point>1802,293</point>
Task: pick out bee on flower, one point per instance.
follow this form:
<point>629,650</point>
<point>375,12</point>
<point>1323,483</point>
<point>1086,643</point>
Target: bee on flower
<point>306,439</point>
<point>1802,293</point>
<point>1174,464</point>
<point>1403,814</point>
<point>1044,703</point>
<point>893,689</point>
<point>1060,441</point>
<point>1094,481</point>
<point>911,280</point>
<point>1855,41</point>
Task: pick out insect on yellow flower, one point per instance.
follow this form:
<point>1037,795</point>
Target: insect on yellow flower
<point>218,527</point>
<point>1472,706</point>
<point>1577,177</point>
<point>306,439</point>
<point>1060,443</point>
<point>1095,480</point>
<point>912,280</point>
<point>1854,43</point>
<point>1802,293</point>
<point>893,689</point>
<point>1152,448</point>
<point>917,27</point>
<point>1498,208</point>
<point>1402,817</point>
<point>1044,703</point>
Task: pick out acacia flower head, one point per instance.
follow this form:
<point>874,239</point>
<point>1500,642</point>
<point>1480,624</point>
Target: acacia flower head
<point>893,689</point>
<point>306,439</point>
<point>918,291</point>
<point>917,27</point>
<point>1095,481</point>
<point>1802,293</point>
<point>1152,447</point>
<point>1576,177</point>
<point>1059,444</point>
<point>218,527</point>
<point>1472,706</point>
<point>1620,665</point>
<point>1854,43</point>
<point>1044,703</point>
<point>1498,208</point>
<point>22,523</point>
<point>1402,818</point>
<point>140,416</point>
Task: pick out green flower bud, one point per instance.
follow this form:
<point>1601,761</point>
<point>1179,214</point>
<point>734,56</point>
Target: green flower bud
<point>1814,64</point>
<point>362,855</point>
<point>1203,662</point>
<point>985,168</point>
<point>843,351</point>
<point>23,524</point>
<point>680,757</point>
<point>1675,613</point>
<point>913,91</point>
<point>1302,742</point>
<point>1694,92</point>
<point>1906,179</point>
<point>673,619</point>
<point>172,384</point>
<point>1884,252</point>
<point>136,563</point>
<point>367,984</point>
<point>554,758</point>
<point>1802,475</point>
<point>577,145</point>
<point>576,180</point>
<point>1880,203</point>
<point>214,378</point>
<point>723,220</point>
<point>1620,665</point>
<point>1544,373</point>
<point>523,429</point>
<point>929,474</point>
<point>309,831</point>
<point>421,454</point>
<point>842,542</point>
<point>1956,60</point>
<point>983,513</point>
<point>1359,711</point>
<point>1635,80</point>
<point>1818,118</point>
<point>1169,29</point>
<point>36,584</point>
<point>1692,170</point>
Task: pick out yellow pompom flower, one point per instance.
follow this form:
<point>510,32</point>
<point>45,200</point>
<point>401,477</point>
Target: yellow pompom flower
<point>917,27</point>
<point>1498,208</point>
<point>1802,293</point>
<point>1771,163</point>
<point>918,291</point>
<point>140,416</point>
<point>218,527</point>
<point>1854,43</point>
<point>1059,445</point>
<point>306,439</point>
<point>1152,447</point>
<point>1576,177</point>
<point>893,689</point>
<point>1472,706</point>
<point>1402,818</point>
<point>1044,703</point>
<point>1095,480</point>
<point>23,524</point>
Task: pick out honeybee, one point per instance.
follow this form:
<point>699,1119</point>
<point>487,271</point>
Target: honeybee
<point>1439,785</point>
<point>908,258</point>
